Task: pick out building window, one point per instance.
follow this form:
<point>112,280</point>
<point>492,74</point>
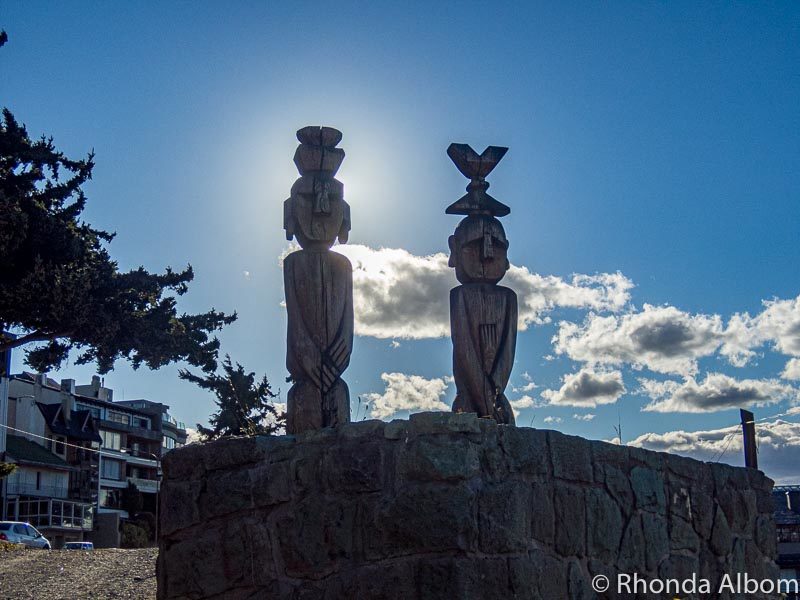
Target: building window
<point>109,498</point>
<point>38,480</point>
<point>119,417</point>
<point>60,448</point>
<point>111,440</point>
<point>141,422</point>
<point>111,469</point>
<point>168,443</point>
<point>92,409</point>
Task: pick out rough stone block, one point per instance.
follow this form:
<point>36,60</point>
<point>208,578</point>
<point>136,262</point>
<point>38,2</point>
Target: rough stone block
<point>361,429</point>
<point>430,458</point>
<point>225,493</point>
<point>648,488</point>
<point>656,535</point>
<point>608,454</point>
<point>570,539</point>
<point>302,541</point>
<point>440,508</point>
<point>682,535</point>
<point>179,506</point>
<point>525,450</point>
<point>270,483</point>
<point>543,525</point>
<point>721,538</point>
<point>503,520</point>
<point>435,516</point>
<point>425,423</point>
<point>603,525</point>
<point>571,457</point>
<point>354,466</point>
<point>186,464</point>
<point>231,453</point>
<point>632,549</point>
<point>647,458</point>
<point>619,487</point>
<point>396,430</point>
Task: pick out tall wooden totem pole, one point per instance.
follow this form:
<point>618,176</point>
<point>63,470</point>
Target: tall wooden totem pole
<point>483,315</point>
<point>318,285</point>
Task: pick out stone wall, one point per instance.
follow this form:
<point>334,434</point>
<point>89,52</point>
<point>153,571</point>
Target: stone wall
<point>449,506</point>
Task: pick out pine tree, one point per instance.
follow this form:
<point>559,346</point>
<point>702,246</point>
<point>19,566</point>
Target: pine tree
<point>245,406</point>
<point>59,287</point>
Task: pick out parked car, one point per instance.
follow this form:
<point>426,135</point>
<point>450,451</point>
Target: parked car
<point>79,546</point>
<point>18,532</point>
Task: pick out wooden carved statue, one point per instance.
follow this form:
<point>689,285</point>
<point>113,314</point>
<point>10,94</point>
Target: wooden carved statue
<point>483,315</point>
<point>318,285</point>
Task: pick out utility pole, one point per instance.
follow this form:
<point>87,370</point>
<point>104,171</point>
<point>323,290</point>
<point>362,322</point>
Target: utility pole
<point>749,439</point>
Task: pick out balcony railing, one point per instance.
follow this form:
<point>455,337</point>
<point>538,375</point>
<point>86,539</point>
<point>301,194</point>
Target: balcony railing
<point>62,514</point>
<point>149,486</point>
<point>17,488</point>
<point>141,432</point>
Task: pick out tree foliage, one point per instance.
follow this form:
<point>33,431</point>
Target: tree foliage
<point>7,469</point>
<point>131,500</point>
<point>245,406</point>
<point>60,287</point>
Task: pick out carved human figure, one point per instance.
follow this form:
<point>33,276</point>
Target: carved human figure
<point>318,285</point>
<point>483,315</point>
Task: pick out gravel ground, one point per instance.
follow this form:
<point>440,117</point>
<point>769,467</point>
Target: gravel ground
<point>74,574</point>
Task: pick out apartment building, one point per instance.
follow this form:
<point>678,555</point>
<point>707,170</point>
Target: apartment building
<point>135,434</point>
<point>74,443</point>
<point>55,449</point>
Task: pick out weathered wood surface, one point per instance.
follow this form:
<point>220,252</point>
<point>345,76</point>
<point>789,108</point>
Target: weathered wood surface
<point>319,286</point>
<point>319,302</point>
<point>483,324</point>
<point>483,315</point>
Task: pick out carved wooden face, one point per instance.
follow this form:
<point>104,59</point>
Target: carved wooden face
<point>479,250</point>
<point>316,213</point>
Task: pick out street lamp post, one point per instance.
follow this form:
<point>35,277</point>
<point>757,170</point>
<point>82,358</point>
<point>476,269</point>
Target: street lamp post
<point>158,481</point>
<point>158,487</point>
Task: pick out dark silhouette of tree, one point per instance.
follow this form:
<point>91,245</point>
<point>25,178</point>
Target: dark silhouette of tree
<point>59,287</point>
<point>131,499</point>
<point>7,469</point>
<point>245,406</point>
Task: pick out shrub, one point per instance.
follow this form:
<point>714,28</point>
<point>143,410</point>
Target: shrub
<point>10,546</point>
<point>134,536</point>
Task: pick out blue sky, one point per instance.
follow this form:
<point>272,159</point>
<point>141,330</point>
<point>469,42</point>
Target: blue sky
<point>658,144</point>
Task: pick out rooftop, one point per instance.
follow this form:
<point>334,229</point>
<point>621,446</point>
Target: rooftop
<point>26,451</point>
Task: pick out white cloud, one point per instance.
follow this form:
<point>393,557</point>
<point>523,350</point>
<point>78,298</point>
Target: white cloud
<point>552,420</point>
<point>587,388</point>
<point>395,344</point>
<point>792,370</point>
<point>527,387</point>
<point>539,295</point>
<point>586,417</point>
<point>778,446</point>
<point>665,339</point>
<point>400,295</point>
<point>661,338</point>
<point>192,435</point>
<point>716,392</point>
<point>407,393</point>
<point>780,324</point>
<point>520,403</point>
